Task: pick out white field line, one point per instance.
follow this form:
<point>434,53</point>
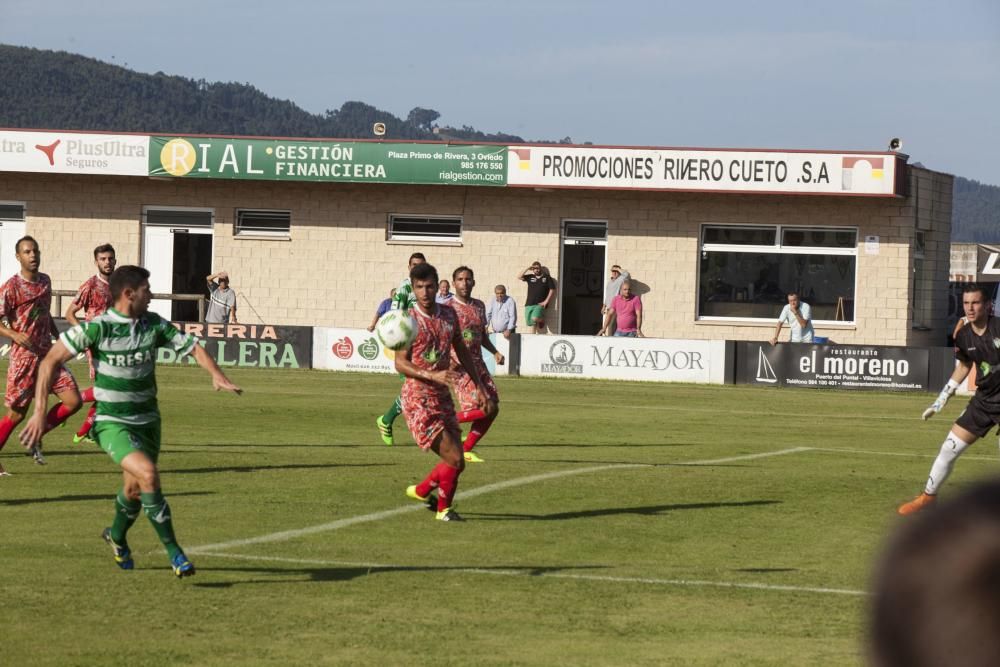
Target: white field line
<point>869,452</point>
<point>532,572</point>
<point>471,493</point>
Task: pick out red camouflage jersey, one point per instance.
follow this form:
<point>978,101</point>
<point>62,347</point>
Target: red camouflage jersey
<point>94,297</point>
<point>472,323</point>
<point>26,308</point>
<point>432,347</point>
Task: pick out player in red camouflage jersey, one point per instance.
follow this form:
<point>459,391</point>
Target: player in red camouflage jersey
<point>427,404</point>
<point>25,319</point>
<point>93,297</point>
<point>471,315</point>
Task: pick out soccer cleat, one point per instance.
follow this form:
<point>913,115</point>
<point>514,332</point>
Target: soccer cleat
<point>3,471</point>
<point>448,514</point>
<point>123,555</point>
<point>182,566</point>
<point>411,492</point>
<point>36,454</point>
<point>472,457</point>
<point>384,430</point>
<point>917,504</point>
<point>77,438</point>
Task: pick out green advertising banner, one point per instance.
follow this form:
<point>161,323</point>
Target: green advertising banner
<point>341,161</point>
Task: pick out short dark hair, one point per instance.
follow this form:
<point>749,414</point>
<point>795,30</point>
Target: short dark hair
<point>17,246</point>
<point>127,276</point>
<point>107,247</point>
<point>792,293</point>
<point>424,272</point>
<point>976,287</point>
<point>417,255</point>
<point>454,274</point>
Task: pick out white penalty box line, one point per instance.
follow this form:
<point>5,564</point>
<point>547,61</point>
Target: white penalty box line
<point>286,535</point>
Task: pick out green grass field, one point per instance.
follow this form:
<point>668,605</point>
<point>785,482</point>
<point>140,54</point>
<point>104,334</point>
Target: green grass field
<point>613,523</point>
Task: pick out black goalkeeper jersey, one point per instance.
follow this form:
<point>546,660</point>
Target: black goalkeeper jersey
<point>984,353</point>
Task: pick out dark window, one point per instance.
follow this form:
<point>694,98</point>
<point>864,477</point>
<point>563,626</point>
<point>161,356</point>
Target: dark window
<point>11,212</point>
<point>424,228</point>
<point>263,223</point>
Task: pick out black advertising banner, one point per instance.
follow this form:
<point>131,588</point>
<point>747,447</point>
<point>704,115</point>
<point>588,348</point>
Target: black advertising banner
<point>835,366</point>
<point>248,345</point>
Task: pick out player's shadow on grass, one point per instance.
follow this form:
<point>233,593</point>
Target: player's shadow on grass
<point>84,498</point>
<point>648,510</point>
<point>265,468</point>
<point>347,573</point>
<point>187,447</point>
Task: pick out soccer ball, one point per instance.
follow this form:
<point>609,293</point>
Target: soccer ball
<point>396,329</point>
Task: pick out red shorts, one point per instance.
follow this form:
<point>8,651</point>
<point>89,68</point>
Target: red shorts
<point>468,393</point>
<point>21,375</point>
<point>429,411</point>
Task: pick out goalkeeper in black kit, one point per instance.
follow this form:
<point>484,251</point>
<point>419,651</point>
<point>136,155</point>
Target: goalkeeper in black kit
<point>976,344</point>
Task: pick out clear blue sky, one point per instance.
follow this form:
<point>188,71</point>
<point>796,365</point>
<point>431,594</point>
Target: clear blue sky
<point>843,75</point>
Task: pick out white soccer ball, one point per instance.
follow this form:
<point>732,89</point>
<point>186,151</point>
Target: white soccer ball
<point>396,329</point>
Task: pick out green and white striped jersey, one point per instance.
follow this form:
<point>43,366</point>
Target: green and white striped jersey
<point>124,355</point>
<point>404,298</point>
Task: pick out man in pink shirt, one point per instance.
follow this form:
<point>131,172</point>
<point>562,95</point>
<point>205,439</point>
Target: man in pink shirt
<point>627,310</point>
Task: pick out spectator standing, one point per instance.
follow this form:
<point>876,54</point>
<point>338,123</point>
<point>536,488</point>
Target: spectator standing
<point>501,312</point>
<point>798,315</point>
<point>541,289</point>
<point>444,293</point>
<point>221,300</point>
<point>613,287</point>
<point>626,309</point>
<point>383,307</point>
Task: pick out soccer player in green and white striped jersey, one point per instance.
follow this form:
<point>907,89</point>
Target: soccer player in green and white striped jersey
<point>404,300</point>
<point>123,342</point>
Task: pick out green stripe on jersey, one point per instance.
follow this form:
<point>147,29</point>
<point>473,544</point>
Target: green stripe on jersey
<point>124,352</point>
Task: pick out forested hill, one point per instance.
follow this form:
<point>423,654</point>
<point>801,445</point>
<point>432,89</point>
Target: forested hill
<point>59,90</point>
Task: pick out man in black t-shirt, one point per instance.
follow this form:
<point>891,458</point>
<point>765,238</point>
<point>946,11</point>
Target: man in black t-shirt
<point>976,344</point>
<point>541,288</point>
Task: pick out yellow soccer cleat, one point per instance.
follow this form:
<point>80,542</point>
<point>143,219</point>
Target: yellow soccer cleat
<point>472,457</point>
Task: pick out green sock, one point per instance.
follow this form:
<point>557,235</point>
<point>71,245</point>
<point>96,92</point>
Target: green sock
<point>126,512</point>
<point>158,512</point>
<point>394,410</point>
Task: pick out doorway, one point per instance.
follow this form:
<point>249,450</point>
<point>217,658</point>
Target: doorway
<point>581,284</point>
<point>177,251</point>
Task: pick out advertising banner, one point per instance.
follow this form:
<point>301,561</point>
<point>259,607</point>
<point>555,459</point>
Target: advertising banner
<point>340,349</point>
<point>653,359</point>
<point>342,161</point>
<point>835,366</point>
<point>707,170</point>
<point>248,345</point>
<point>74,153</point>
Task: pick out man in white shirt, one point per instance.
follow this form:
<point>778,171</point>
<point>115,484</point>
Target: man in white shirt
<point>798,315</point>
<point>501,312</point>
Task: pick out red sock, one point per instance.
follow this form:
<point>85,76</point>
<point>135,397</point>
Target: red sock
<point>479,429</point>
<point>431,481</point>
<point>57,415</point>
<point>6,428</point>
<point>447,485</point>
<point>88,395</point>
<point>88,421</point>
<point>470,415</point>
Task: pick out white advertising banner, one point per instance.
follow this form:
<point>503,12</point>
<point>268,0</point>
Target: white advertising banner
<point>340,349</point>
<point>74,153</point>
<point>614,358</point>
<point>707,170</point>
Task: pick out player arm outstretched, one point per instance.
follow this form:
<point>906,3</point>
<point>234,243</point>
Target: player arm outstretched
<point>33,431</point>
<point>219,380</point>
<point>962,370</point>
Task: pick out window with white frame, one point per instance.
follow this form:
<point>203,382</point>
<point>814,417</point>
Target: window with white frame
<point>257,222</point>
<point>746,271</point>
<point>424,228</point>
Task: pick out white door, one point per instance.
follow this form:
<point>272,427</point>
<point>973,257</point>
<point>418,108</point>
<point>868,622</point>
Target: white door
<point>161,249</point>
<point>158,259</point>
<point>10,232</point>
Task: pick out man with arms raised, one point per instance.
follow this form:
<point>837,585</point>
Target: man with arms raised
<point>977,344</point>
<point>25,319</point>
<point>93,297</point>
<point>427,404</point>
<point>472,323</point>
<point>123,342</point>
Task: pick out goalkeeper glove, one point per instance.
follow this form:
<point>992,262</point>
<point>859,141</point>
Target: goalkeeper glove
<point>941,400</point>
